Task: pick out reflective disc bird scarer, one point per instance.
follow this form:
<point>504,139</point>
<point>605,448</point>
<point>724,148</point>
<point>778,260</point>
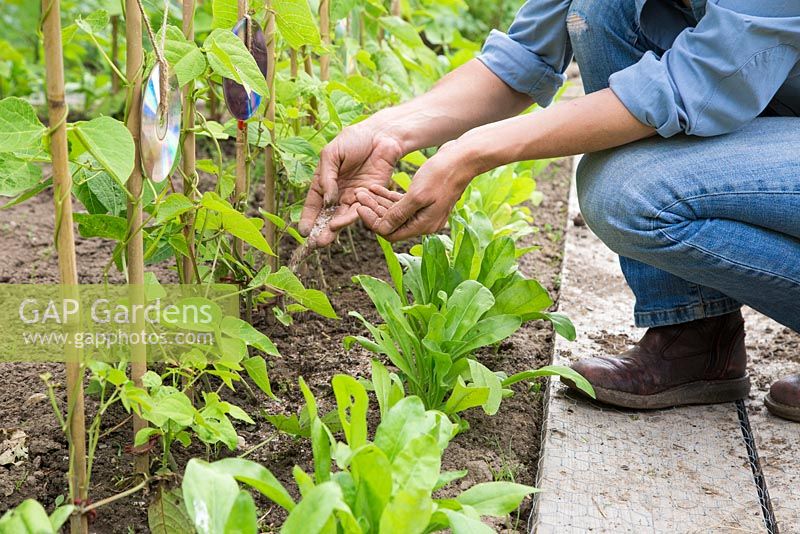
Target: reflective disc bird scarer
<point>160,131</point>
<point>242,103</point>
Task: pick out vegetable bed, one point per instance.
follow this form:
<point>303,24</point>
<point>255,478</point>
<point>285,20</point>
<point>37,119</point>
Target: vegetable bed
<point>501,447</point>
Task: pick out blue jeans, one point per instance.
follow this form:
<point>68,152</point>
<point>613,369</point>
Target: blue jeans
<point>701,225</point>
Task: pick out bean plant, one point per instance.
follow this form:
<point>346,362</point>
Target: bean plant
<point>31,517</point>
<point>331,65</point>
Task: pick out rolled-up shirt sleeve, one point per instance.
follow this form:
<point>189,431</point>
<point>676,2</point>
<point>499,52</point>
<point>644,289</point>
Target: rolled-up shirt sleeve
<point>718,75</point>
<point>532,57</point>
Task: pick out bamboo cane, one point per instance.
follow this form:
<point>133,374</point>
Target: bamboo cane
<point>188,152</point>
<point>65,243</point>
<point>115,53</point>
<point>325,32</point>
<point>269,157</point>
<point>240,185</point>
<point>135,249</point>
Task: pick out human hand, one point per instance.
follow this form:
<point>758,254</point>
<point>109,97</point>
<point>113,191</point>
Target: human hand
<point>359,157</point>
<point>425,208</point>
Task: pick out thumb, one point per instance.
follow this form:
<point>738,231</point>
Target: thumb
<point>398,214</point>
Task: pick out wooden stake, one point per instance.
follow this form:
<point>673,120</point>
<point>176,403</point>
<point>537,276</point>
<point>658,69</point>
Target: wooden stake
<point>135,253</point>
<point>65,244</point>
<point>325,32</point>
<point>240,192</point>
<point>188,153</point>
<point>396,8</point>
<point>269,156</point>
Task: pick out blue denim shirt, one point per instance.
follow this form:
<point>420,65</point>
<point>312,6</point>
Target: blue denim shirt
<point>725,61</point>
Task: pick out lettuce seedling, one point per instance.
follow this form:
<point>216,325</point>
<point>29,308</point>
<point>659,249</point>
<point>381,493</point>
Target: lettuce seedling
<point>499,197</point>
<point>476,255</point>
<point>430,343</point>
<point>359,486</point>
<point>475,300</point>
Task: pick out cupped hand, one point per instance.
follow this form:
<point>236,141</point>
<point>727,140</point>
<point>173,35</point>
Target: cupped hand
<point>425,208</point>
<point>358,158</point>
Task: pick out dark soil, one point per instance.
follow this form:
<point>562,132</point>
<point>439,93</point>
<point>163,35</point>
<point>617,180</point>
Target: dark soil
<point>503,447</point>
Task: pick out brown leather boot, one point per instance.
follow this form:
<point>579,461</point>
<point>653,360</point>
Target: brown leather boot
<point>700,362</point>
<point>783,398</point>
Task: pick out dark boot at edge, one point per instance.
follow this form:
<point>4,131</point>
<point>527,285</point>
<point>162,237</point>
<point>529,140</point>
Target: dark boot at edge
<point>700,362</point>
<point>783,399</point>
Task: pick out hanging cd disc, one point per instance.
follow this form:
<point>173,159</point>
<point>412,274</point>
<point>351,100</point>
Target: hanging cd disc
<point>241,103</point>
<point>160,135</point>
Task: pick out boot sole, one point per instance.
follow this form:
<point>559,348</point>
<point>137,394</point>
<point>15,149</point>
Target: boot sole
<point>785,411</point>
<point>700,392</point>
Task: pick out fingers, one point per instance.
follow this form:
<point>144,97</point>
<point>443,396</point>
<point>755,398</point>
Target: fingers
<point>408,231</point>
<point>368,216</point>
<point>377,204</point>
<point>394,220</point>
<point>324,190</point>
<point>325,237</point>
<point>374,204</point>
<point>311,208</point>
<point>426,221</point>
<point>384,193</point>
<point>329,164</point>
<point>398,214</point>
<point>344,216</point>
